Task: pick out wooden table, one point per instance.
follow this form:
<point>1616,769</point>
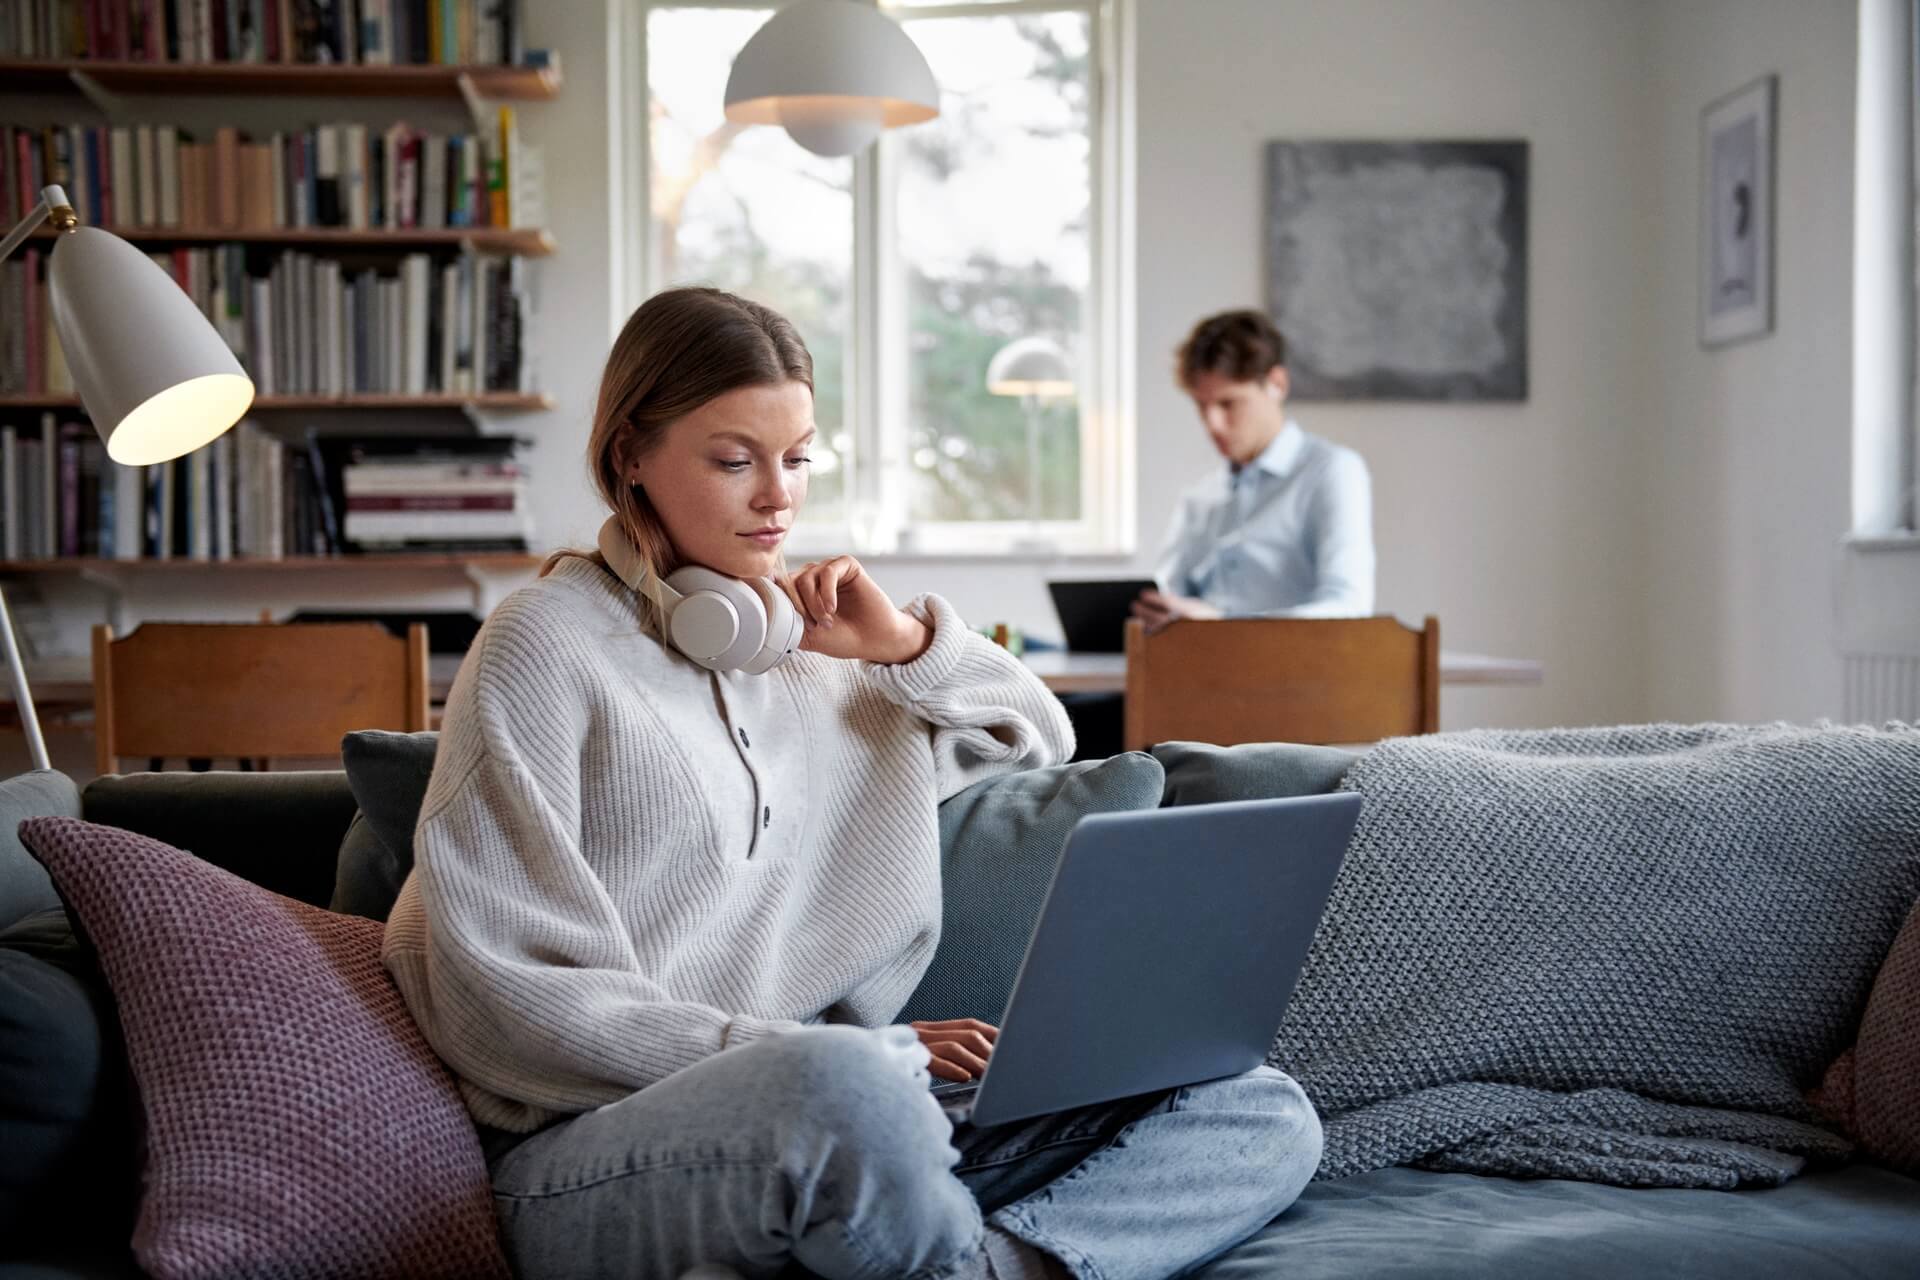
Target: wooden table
<point>1065,672</point>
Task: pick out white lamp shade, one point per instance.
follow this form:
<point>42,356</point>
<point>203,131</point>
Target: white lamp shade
<point>834,73</point>
<point>155,377</point>
<point>1030,367</point>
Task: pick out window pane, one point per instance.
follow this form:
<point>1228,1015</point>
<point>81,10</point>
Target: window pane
<point>750,211</point>
<point>994,228</point>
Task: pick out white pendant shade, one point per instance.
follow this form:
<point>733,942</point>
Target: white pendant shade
<point>1030,367</point>
<point>155,377</point>
<point>834,73</point>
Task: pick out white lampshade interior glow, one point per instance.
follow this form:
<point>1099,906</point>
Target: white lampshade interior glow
<point>834,73</point>
<point>155,377</point>
<point>180,419</point>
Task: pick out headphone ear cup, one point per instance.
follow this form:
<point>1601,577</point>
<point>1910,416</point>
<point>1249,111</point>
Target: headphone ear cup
<point>784,628</point>
<point>725,619</point>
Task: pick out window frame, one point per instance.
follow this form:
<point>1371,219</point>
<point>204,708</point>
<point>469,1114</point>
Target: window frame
<point>878,474</point>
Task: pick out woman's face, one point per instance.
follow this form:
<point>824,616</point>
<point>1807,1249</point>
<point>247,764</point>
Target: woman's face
<point>728,479</point>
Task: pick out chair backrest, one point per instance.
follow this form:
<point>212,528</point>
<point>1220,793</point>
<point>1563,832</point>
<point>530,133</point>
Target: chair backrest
<point>252,690</point>
<point>1317,680</point>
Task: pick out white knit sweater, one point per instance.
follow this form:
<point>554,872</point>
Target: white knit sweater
<point>626,863</point>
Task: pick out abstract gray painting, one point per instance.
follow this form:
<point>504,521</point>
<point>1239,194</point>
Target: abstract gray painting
<point>1398,270</point>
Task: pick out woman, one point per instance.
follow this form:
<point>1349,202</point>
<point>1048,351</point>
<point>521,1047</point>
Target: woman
<point>661,916</point>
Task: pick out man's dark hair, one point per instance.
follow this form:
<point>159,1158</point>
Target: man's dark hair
<point>1241,345</point>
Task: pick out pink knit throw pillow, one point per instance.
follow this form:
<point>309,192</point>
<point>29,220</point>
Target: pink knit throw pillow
<point>1873,1091</point>
<point>296,1122</point>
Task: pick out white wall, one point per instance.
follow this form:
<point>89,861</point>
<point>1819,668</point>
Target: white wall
<point>1747,448</point>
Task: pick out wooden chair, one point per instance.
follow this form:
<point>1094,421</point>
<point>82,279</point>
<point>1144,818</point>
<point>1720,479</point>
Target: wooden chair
<point>250,690</point>
<point>1319,680</point>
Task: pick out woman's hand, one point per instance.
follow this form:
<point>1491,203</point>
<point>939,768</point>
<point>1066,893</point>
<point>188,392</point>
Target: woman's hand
<point>960,1047</point>
<point>848,615</point>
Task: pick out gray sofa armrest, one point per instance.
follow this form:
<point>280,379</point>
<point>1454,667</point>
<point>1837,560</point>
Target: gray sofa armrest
<point>279,830</point>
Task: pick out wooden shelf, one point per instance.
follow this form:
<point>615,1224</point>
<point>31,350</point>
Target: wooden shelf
<point>524,84</point>
<point>527,242</point>
<point>488,561</point>
<point>498,400</point>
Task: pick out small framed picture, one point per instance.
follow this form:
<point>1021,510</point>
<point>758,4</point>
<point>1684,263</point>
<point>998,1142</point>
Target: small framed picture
<point>1736,225</point>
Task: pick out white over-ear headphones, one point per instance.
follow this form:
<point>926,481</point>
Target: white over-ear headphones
<point>722,623</point>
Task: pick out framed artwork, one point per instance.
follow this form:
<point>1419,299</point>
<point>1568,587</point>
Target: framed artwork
<point>1736,216</point>
<point>1398,270</point>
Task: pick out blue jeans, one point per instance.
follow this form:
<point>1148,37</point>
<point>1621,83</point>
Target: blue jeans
<point>817,1151</point>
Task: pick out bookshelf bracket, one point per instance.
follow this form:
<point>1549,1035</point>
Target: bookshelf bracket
<point>476,105</point>
<point>114,588</point>
<point>110,104</point>
<point>488,590</point>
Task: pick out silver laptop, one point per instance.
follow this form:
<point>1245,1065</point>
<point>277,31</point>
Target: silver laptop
<point>1165,953</point>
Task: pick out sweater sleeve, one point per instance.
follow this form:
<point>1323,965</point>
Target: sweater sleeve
<point>513,958</point>
<point>990,713</point>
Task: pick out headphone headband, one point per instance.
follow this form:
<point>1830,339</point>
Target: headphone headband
<point>624,559</point>
<point>721,622</point>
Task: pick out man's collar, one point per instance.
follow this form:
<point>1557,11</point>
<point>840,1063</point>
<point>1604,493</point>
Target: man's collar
<point>1281,453</point>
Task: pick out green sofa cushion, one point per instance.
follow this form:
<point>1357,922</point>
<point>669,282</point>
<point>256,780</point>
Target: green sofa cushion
<point>1200,773</point>
<point>999,840</point>
<point>43,793</point>
<point>388,773</point>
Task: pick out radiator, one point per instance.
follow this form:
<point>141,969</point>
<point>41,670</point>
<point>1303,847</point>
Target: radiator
<point>1881,687</point>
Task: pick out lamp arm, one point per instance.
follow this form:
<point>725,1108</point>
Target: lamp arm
<point>53,204</point>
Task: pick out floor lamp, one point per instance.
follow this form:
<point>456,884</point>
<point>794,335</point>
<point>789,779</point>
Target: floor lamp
<point>1034,369</point>
<point>151,371</point>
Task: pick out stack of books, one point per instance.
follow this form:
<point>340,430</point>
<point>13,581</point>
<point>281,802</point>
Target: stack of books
<point>155,177</point>
<point>254,495</point>
<point>367,32</point>
<point>425,493</point>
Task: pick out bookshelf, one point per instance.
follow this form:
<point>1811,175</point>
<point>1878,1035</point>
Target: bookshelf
<point>356,242</point>
<point>524,242</point>
<point>280,79</point>
<point>498,401</point>
<point>471,562</point>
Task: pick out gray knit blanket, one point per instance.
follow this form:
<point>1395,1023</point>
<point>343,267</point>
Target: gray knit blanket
<point>1619,955</point>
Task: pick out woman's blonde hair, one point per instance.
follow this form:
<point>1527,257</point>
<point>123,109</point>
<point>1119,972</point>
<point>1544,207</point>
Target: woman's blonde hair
<point>678,350</point>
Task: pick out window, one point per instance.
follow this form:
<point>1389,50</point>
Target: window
<point>1886,451</point>
<point>907,267</point>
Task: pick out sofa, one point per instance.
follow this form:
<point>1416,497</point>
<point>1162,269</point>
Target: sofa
<point>334,840</point>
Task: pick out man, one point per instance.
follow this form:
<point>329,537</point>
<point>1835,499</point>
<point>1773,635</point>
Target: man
<point>1286,530</point>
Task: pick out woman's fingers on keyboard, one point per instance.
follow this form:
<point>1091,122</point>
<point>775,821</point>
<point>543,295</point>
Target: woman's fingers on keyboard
<point>943,1070</point>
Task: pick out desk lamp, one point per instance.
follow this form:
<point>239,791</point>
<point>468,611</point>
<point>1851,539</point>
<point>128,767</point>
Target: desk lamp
<point>152,373</point>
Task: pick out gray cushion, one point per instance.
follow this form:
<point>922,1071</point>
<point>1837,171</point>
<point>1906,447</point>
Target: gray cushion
<point>1854,1221</point>
<point>366,876</point>
<point>279,830</point>
<point>999,840</point>
<point>63,1093</point>
<point>1200,773</point>
<point>388,773</point>
<point>43,793</point>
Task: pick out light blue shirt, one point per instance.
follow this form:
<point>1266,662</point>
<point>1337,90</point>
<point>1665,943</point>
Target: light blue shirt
<point>1288,535</point>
